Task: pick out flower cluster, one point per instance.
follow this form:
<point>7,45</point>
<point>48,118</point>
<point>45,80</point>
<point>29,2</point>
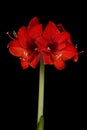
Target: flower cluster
<point>54,43</point>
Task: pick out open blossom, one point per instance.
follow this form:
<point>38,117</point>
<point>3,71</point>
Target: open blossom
<point>25,46</point>
<point>58,46</point>
<point>54,43</point>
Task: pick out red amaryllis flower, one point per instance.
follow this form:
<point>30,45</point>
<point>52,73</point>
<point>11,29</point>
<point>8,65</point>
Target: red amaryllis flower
<point>58,46</point>
<point>25,45</point>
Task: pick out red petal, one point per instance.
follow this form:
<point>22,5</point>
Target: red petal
<point>35,61</point>
<point>13,43</point>
<point>64,36</point>
<point>24,63</point>
<point>47,58</point>
<point>50,32</point>
<point>41,43</point>
<point>16,50</point>
<point>61,46</point>
<point>59,64</point>
<point>69,53</point>
<point>23,37</point>
<point>34,21</point>
<point>19,52</point>
<point>35,32</point>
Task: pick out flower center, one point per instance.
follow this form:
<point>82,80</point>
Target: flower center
<point>32,47</point>
<point>51,47</point>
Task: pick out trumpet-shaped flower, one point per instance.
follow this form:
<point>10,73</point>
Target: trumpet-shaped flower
<point>25,45</point>
<point>58,46</point>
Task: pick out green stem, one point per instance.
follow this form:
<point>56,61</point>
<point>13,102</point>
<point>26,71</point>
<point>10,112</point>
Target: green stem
<point>41,90</point>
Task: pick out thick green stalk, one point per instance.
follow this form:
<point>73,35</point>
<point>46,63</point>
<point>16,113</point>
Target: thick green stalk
<point>41,90</point>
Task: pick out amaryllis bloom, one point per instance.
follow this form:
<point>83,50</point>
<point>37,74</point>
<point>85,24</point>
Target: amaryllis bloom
<point>58,47</point>
<point>25,45</point>
<point>54,43</point>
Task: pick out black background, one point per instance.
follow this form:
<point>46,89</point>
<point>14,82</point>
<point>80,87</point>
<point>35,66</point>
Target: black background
<point>65,91</point>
